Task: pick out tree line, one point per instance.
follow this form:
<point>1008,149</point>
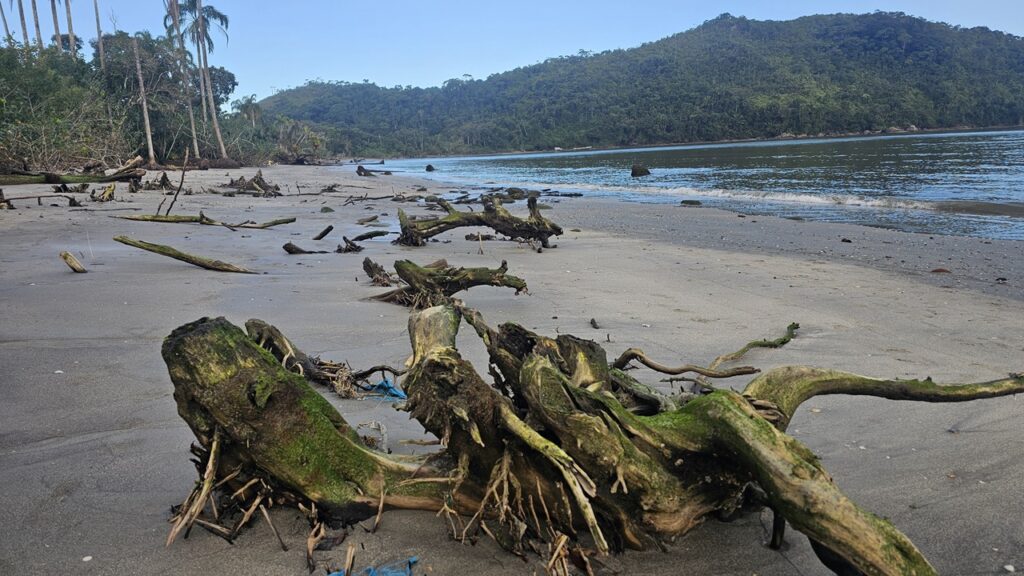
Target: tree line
<point>730,78</point>
<point>139,93</point>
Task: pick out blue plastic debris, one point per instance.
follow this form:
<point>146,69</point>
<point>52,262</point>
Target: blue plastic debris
<point>403,568</point>
<point>386,388</point>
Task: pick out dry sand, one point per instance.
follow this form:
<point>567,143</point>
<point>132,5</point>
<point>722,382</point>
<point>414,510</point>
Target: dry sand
<point>93,454</point>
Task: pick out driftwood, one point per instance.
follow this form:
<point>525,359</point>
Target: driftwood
<point>362,171</point>
<point>435,283</point>
<point>348,247</point>
<point>257,185</point>
<point>295,249</point>
<point>105,195</point>
<point>72,262</point>
<point>6,202</point>
<point>377,274</point>
<point>556,451</point>
<point>130,171</point>
<point>206,221</point>
<point>494,215</point>
<point>323,233</point>
<point>162,183</point>
<point>371,234</point>
<point>207,263</point>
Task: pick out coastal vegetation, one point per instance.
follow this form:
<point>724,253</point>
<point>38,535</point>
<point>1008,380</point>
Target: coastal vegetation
<point>730,78</point>
<point>137,93</point>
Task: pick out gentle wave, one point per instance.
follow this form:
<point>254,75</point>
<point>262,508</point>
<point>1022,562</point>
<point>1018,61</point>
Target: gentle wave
<point>748,195</point>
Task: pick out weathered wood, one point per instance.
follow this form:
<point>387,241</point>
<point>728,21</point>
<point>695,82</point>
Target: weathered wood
<point>295,249</point>
<point>377,274</point>
<point>72,201</point>
<point>494,215</point>
<point>204,220</point>
<point>323,233</point>
<point>348,246</point>
<point>371,234</point>
<point>130,171</point>
<point>434,285</point>
<point>549,434</point>
<point>207,263</point>
<point>72,262</point>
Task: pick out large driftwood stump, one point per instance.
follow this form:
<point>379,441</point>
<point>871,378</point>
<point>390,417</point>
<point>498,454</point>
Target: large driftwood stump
<point>561,448</point>
<point>435,284</point>
<point>535,227</point>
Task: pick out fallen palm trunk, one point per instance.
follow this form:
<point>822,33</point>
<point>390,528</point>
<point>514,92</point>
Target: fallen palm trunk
<point>129,171</point>
<point>203,219</point>
<point>548,453</point>
<point>207,263</point>
<point>535,227</point>
<point>434,284</point>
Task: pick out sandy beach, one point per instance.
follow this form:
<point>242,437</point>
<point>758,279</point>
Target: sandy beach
<point>93,454</point>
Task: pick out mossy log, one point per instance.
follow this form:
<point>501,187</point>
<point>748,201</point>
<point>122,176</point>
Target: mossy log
<point>553,450</point>
<point>535,227</point>
<point>434,284</point>
<point>207,263</point>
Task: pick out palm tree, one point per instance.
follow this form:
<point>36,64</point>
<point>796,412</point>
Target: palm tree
<point>99,37</point>
<point>24,28</point>
<point>7,31</point>
<point>248,108</point>
<point>198,29</point>
<point>71,30</point>
<point>145,105</point>
<point>35,19</point>
<point>174,12</point>
<point>56,25</point>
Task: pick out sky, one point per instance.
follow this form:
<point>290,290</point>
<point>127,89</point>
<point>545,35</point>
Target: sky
<point>272,46</point>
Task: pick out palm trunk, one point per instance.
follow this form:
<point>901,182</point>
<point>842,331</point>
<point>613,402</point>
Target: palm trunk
<point>73,48</point>
<point>24,28</point>
<point>35,20</point>
<point>209,86</point>
<point>7,31</point>
<point>99,37</point>
<point>145,106</point>
<point>202,86</point>
<point>176,16</point>
<point>56,25</point>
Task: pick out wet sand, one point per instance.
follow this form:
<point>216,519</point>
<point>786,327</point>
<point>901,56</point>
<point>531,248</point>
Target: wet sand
<point>93,454</point>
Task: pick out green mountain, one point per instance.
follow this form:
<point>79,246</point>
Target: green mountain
<point>728,78</point>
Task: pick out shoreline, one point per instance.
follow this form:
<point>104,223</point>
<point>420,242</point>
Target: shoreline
<point>711,143</point>
<point>90,440</point>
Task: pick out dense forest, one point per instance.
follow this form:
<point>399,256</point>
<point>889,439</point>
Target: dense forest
<point>136,94</point>
<point>726,79</point>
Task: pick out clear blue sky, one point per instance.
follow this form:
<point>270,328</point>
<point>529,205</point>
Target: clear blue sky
<point>278,45</point>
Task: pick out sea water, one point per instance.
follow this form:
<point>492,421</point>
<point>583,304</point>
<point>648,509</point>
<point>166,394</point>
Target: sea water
<point>966,183</point>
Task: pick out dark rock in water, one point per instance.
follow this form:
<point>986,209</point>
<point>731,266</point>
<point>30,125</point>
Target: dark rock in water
<point>639,170</point>
<point>430,168</point>
<point>690,203</point>
<point>846,241</point>
<point>941,271</point>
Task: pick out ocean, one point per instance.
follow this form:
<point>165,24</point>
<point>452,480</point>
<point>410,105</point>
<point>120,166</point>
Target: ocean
<point>964,183</point>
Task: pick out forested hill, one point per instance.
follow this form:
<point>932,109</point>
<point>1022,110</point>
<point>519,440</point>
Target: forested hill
<point>728,78</point>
